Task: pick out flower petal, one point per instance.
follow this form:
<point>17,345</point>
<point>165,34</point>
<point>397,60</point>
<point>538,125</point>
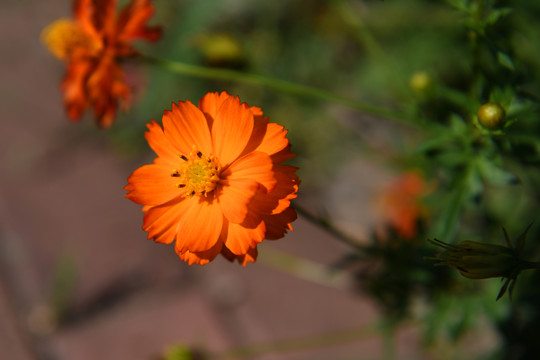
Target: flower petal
<point>274,139</point>
<point>239,239</point>
<point>211,103</point>
<point>132,22</point>
<point>152,185</point>
<point>185,126</point>
<point>283,155</point>
<point>160,143</point>
<point>234,197</point>
<point>203,257</point>
<point>106,88</point>
<point>255,166</point>
<point>279,198</point>
<point>200,225</point>
<point>231,130</point>
<point>161,222</point>
<point>250,256</point>
<point>74,86</point>
<point>278,224</point>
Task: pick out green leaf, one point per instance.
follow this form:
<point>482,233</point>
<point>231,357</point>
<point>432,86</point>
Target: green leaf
<point>520,242</point>
<point>503,289</point>
<point>459,4</point>
<point>496,175</point>
<point>505,60</point>
<point>504,96</point>
<point>457,124</point>
<point>496,14</point>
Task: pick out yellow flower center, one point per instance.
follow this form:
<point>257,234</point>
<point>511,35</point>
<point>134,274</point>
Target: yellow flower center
<point>63,36</point>
<point>198,173</point>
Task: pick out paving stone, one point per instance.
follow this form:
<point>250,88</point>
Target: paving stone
<point>14,342</point>
<point>143,328</point>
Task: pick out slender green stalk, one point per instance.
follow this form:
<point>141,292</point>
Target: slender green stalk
<point>276,84</point>
<point>389,341</point>
<point>328,226</point>
<point>528,265</point>
<point>306,343</point>
<point>307,269</point>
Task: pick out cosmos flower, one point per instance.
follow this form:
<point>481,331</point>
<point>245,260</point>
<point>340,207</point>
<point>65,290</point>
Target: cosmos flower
<point>218,184</point>
<point>92,45</point>
<point>399,204</point>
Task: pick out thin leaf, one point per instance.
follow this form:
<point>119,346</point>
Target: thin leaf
<point>505,60</point>
<point>520,242</point>
<point>496,175</point>
<point>512,286</point>
<point>495,15</point>
<point>503,289</point>
<point>507,238</point>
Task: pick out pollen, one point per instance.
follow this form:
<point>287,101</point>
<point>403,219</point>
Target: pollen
<point>197,173</point>
<point>64,36</point>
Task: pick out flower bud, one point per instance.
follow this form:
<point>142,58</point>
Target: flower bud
<point>491,115</point>
<point>420,81</point>
<point>476,260</point>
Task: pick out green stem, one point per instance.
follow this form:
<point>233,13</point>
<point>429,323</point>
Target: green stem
<point>307,269</point>
<point>328,226</point>
<point>528,265</point>
<point>389,342</point>
<point>276,84</point>
<point>311,342</point>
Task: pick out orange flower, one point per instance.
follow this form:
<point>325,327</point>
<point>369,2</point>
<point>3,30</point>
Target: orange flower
<point>217,185</point>
<point>92,44</point>
<point>399,204</point>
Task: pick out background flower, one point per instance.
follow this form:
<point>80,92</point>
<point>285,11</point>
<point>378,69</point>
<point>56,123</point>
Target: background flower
<point>92,44</point>
<point>400,204</point>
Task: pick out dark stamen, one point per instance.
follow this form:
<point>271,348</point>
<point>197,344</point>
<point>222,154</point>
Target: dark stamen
<point>182,185</point>
<point>199,154</point>
<point>183,157</point>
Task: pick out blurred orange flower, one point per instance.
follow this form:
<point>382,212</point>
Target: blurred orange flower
<point>217,185</point>
<point>92,44</point>
<point>400,204</point>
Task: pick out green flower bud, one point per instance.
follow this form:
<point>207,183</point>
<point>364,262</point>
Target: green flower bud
<point>491,115</point>
<point>420,81</point>
<point>478,260</point>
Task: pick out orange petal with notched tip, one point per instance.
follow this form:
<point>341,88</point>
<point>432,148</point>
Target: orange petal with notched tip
<point>160,143</point>
<point>201,258</point>
<point>234,197</point>
<point>250,256</point>
<point>152,185</point>
<point>256,166</point>
<point>161,222</point>
<point>231,137</point>
<point>185,126</point>
<point>200,225</point>
<point>278,224</point>
<point>240,239</point>
<point>211,103</point>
